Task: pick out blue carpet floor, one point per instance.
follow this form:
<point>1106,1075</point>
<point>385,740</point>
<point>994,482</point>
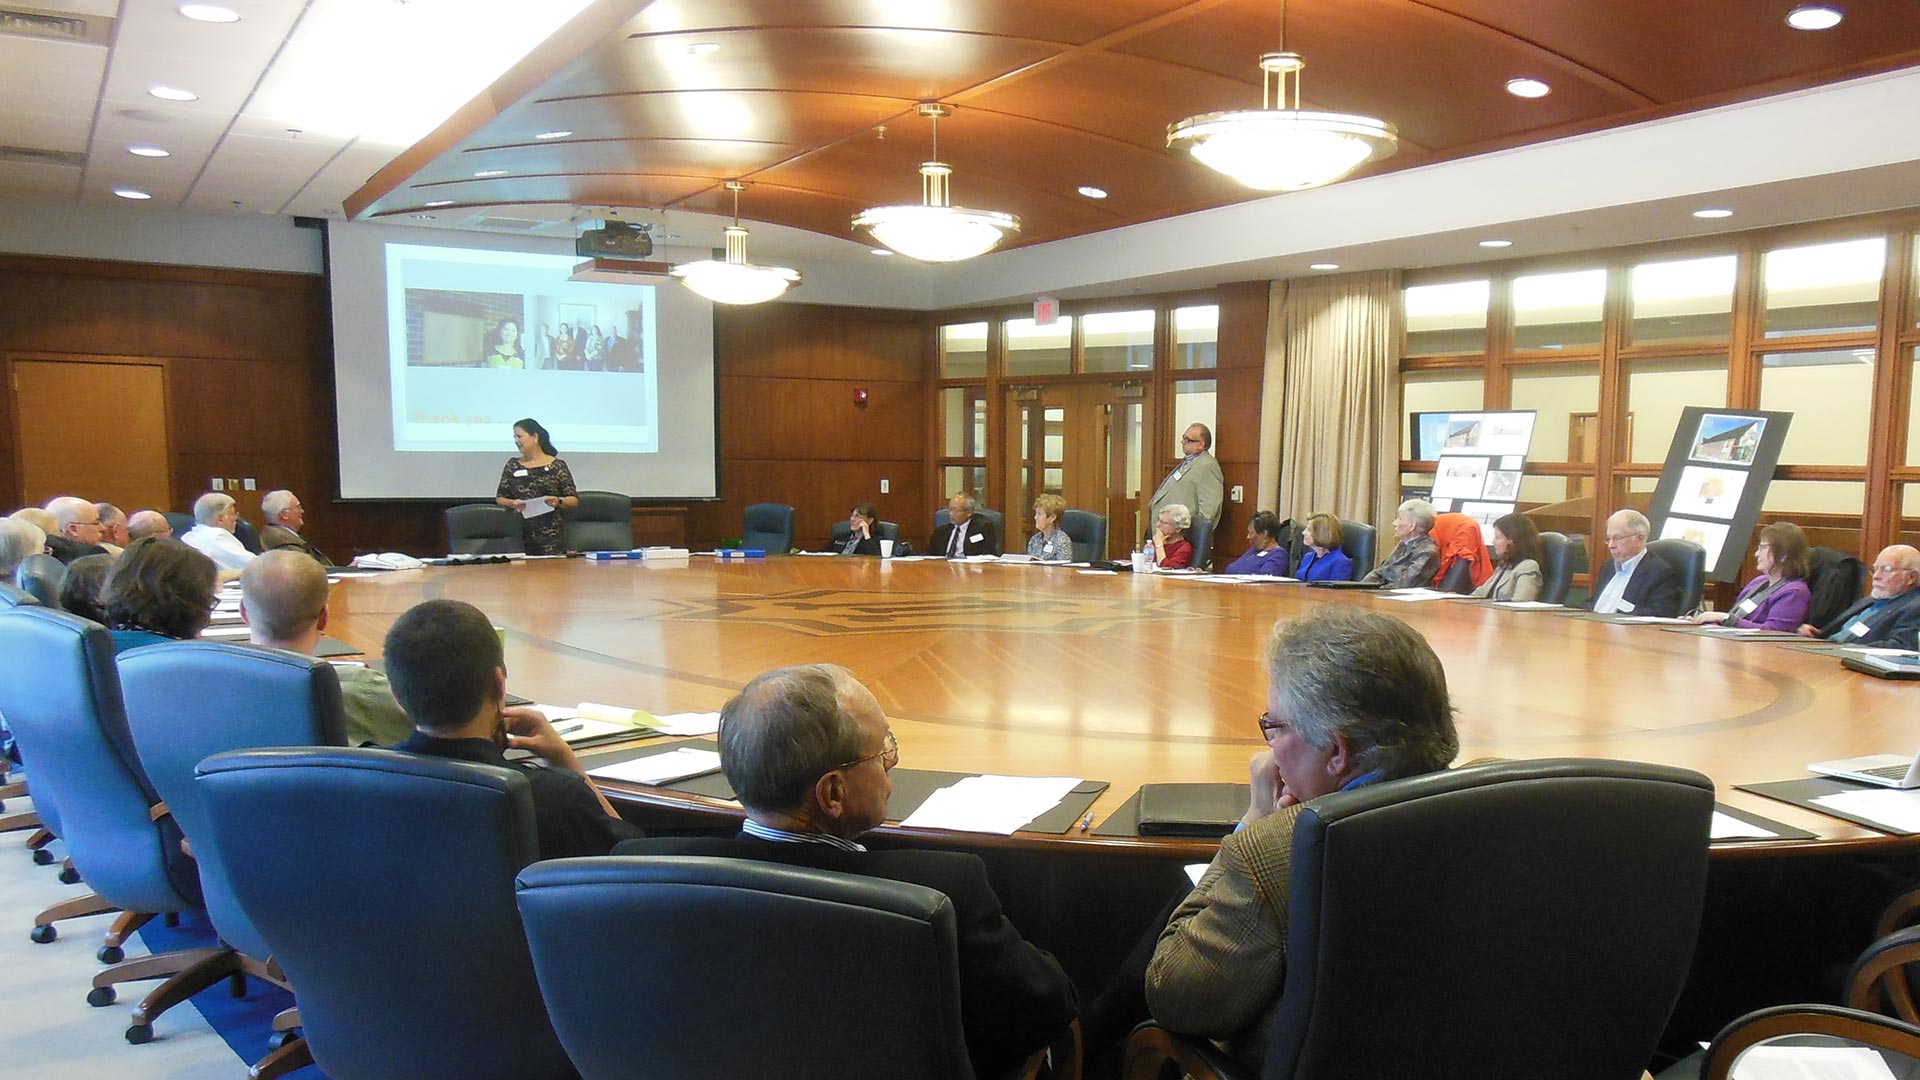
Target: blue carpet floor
<point>246,1023</point>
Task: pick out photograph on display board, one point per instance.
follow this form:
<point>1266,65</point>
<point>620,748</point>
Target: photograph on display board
<point>1727,440</point>
<point>1463,433</point>
<point>1705,492</point>
<point>1460,478</point>
<point>1502,484</point>
<point>1486,513</point>
<point>1506,433</point>
<point>1711,535</point>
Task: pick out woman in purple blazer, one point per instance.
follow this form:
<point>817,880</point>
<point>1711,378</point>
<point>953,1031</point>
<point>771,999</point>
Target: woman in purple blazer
<point>1778,598</point>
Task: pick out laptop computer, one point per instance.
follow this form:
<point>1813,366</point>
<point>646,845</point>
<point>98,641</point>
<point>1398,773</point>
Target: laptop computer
<point>1883,770</point>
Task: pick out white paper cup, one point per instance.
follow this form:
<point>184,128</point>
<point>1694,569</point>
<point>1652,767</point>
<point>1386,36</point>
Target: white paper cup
<point>886,549</point>
<point>1139,563</point>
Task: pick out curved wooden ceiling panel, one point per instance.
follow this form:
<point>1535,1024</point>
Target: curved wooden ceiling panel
<point>1050,95</point>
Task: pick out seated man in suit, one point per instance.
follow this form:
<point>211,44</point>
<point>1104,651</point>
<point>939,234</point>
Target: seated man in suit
<point>78,531</point>
<point>113,528</point>
<point>145,523</point>
<point>808,751</point>
<point>285,516</point>
<point>283,601</point>
<point>1633,582</point>
<point>1888,616</point>
<point>964,534</point>
<point>214,516</point>
<point>1353,698</point>
<point>447,669</point>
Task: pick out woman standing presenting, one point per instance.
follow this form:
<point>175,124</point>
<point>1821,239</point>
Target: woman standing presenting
<point>537,476</point>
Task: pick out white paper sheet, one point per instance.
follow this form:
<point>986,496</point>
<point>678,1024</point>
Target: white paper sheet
<point>1888,806</point>
<point>662,768</point>
<point>1196,870</point>
<point>1527,605</point>
<point>1811,1063</point>
<point>991,804</point>
<point>1414,596</point>
<point>1647,619</point>
<point>536,507</point>
<point>1728,827</point>
<point>342,575</point>
<point>218,632</point>
<point>1098,573</point>
<point>688,723</point>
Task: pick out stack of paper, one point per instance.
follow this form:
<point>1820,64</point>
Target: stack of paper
<point>662,768</point>
<point>991,804</point>
<point>1897,810</point>
<point>1416,595</point>
<point>688,723</point>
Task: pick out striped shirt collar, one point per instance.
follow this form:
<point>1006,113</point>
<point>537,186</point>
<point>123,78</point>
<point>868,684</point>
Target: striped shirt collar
<point>782,836</point>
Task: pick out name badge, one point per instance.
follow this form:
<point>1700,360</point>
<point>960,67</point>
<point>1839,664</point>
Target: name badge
<point>1624,606</point>
<point>976,538</point>
<point>1745,607</point>
<point>519,472</point>
<point>1856,628</point>
<point>1178,473</point>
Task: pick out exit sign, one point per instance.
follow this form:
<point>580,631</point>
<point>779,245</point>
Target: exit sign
<point>1046,311</point>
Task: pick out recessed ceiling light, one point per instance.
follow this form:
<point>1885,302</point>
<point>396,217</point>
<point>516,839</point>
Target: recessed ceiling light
<point>879,251</point>
<point>702,48</point>
<point>1814,17</point>
<point>147,151</point>
<point>1496,243</point>
<point>1528,88</point>
<point>440,202</point>
<point>488,174</point>
<point>212,13</point>
<point>1092,192</point>
<point>132,193</point>
<point>553,135</point>
<point>169,93</point>
<point>1323,266</point>
<point>1713,212</point>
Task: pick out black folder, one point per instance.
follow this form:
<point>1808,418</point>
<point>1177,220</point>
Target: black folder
<point>1206,811</point>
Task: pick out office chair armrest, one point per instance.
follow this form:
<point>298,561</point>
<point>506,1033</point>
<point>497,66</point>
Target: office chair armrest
<point>1882,969</point>
<point>1151,1046</point>
<point>1894,915</point>
<point>1863,1028</point>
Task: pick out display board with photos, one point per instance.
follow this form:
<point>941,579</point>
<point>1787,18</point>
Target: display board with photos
<point>1479,460</point>
<point>1715,481</point>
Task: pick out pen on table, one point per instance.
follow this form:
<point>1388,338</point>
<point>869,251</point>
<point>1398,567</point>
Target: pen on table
<point>568,729</point>
<point>1086,822</point>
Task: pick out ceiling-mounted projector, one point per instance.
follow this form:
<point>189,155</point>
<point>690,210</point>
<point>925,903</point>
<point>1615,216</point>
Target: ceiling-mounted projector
<point>616,253</point>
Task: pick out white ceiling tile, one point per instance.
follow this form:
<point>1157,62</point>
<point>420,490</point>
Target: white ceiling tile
<point>50,179</point>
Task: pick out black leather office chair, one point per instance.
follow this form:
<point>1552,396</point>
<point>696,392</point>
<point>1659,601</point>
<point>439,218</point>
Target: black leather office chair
<point>1088,531</point>
<point>248,536</point>
<point>650,966</point>
<point>769,527</point>
<point>602,522</point>
<point>1357,543</point>
<point>1420,908</point>
<point>40,577</point>
<point>1689,561</point>
<point>999,546</point>
<point>180,522</point>
<point>1556,567</point>
<point>1459,577</point>
<point>187,701</point>
<point>1836,579</point>
<point>1200,535</point>
<point>405,944</point>
<point>71,724</point>
<point>483,529</point>
<point>882,530</point>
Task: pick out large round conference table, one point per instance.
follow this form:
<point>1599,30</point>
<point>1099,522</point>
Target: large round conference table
<point>1039,670</point>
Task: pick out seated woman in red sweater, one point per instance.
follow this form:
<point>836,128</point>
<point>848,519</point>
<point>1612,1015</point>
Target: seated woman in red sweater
<point>1171,551</point>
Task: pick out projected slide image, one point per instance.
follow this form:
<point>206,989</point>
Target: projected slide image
<point>1460,478</point>
<point>1707,492</point>
<point>1731,440</point>
<point>1711,535</point>
<point>478,339</point>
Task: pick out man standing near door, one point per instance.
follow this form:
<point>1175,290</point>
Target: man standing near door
<point>1196,482</point>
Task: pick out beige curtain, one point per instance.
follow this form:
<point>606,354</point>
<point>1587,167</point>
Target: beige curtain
<point>1330,417</point>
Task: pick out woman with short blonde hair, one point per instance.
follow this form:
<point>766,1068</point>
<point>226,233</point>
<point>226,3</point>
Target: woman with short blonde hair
<point>1049,542</point>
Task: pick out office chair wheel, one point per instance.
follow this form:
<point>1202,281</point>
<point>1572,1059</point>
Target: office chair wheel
<point>110,954</point>
<point>140,1033</point>
<point>42,857</point>
<point>69,876</point>
<point>43,934</point>
<point>281,1040</point>
<point>101,996</point>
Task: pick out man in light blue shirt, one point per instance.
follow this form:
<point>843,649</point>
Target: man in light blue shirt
<point>1631,582</point>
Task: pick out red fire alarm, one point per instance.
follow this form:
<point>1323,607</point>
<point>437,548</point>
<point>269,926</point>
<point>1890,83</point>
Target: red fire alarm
<point>860,398</point>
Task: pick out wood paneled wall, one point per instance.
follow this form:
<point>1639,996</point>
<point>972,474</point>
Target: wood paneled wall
<point>249,382</point>
<point>791,431</point>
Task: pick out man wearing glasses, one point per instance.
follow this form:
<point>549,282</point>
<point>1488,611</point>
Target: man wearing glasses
<point>1631,581</point>
<point>80,533</point>
<point>1196,482</point>
<point>808,752</point>
<point>1887,617</point>
<point>1353,698</point>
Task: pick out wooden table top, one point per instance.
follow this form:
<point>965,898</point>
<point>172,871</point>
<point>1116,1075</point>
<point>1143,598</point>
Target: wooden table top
<point>1045,670</point>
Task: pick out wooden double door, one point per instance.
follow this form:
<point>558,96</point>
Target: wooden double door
<point>1083,442</point>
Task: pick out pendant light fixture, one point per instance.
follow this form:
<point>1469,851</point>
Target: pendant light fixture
<point>734,280</point>
<point>936,230</point>
<point>1280,147</point>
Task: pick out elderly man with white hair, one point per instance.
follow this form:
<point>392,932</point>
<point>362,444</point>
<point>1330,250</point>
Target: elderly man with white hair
<point>285,517</point>
<point>19,540</point>
<point>1416,558</point>
<point>1889,615</point>
<point>1632,582</point>
<point>77,524</point>
<point>145,523</point>
<point>214,515</point>
<point>113,528</point>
